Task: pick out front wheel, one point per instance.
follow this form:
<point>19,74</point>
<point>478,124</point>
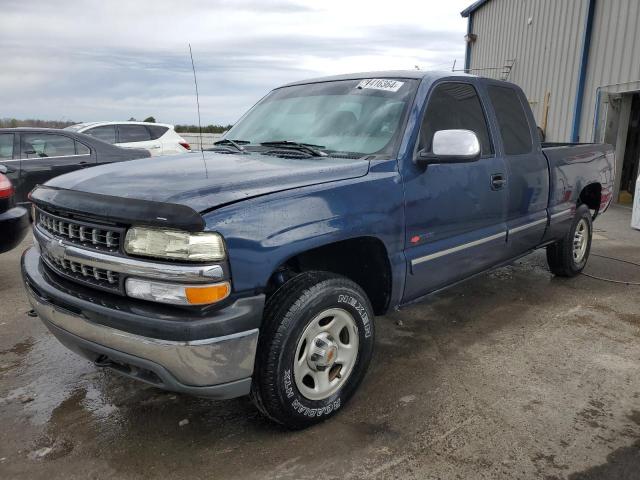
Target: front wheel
<point>314,349</point>
<point>568,257</point>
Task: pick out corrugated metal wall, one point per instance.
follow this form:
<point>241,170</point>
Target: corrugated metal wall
<point>614,60</point>
<point>543,39</point>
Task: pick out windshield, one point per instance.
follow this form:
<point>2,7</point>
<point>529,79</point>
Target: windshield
<point>353,116</point>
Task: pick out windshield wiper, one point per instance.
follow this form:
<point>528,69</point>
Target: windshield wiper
<point>237,144</point>
<point>303,147</point>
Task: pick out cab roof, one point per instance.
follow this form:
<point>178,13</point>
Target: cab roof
<point>412,74</point>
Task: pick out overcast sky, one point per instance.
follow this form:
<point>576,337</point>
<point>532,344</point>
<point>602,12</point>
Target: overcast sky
<point>111,60</point>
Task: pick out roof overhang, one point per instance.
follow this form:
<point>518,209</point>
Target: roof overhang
<point>473,7</point>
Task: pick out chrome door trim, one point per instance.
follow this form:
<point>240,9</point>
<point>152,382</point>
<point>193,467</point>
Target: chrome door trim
<point>527,226</point>
<point>442,253</point>
<point>58,156</point>
<point>562,213</point>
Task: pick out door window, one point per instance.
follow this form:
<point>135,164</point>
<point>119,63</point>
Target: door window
<point>82,149</point>
<point>512,120</point>
<point>42,145</point>
<point>454,106</point>
<point>6,146</point>
<point>133,133</point>
<point>106,133</point>
<point>157,131</point>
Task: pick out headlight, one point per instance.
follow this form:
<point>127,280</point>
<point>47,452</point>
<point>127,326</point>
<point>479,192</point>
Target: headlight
<point>150,242</point>
<point>177,294</point>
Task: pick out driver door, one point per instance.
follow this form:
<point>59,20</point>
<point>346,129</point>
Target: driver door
<point>455,212</point>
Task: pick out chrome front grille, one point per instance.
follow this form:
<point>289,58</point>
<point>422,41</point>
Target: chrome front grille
<point>97,277</point>
<point>100,237</point>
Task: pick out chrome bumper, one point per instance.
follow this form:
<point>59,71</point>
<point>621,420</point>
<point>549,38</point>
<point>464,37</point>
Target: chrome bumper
<point>217,367</point>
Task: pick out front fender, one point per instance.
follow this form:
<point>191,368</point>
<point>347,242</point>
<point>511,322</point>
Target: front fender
<point>263,233</point>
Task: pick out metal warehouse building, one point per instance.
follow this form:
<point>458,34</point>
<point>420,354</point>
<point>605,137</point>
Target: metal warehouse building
<point>578,62</point>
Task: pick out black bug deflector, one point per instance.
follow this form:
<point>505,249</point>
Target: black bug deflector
<point>119,209</point>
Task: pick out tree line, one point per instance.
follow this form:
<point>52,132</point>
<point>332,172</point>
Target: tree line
<point>33,122</point>
<point>205,128</point>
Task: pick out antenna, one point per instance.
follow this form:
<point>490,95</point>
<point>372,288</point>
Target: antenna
<point>195,81</point>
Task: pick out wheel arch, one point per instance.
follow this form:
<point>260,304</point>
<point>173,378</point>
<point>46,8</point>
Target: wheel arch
<point>591,196</point>
<point>362,259</point>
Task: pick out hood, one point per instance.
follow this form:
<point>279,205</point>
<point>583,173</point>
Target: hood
<point>227,178</point>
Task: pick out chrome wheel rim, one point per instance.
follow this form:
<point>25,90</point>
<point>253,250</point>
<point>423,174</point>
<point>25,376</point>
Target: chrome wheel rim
<point>580,240</point>
<point>326,354</point>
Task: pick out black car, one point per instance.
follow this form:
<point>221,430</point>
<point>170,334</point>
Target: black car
<point>14,221</point>
<point>31,156</point>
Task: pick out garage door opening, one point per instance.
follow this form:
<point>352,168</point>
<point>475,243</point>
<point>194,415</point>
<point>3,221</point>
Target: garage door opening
<point>631,160</point>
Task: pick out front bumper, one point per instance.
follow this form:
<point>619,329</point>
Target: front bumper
<point>216,367</point>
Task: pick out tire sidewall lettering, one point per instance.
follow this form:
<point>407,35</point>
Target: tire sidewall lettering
<point>288,383</point>
<point>316,412</point>
<point>295,400</point>
<point>289,393</point>
<point>360,309</point>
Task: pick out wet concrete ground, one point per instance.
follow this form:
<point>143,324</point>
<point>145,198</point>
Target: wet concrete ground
<point>514,374</point>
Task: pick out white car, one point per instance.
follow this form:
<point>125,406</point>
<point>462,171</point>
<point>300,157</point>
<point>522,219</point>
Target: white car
<point>158,138</point>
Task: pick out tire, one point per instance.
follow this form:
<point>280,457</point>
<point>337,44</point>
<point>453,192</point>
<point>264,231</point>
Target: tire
<point>562,257</point>
<point>310,301</point>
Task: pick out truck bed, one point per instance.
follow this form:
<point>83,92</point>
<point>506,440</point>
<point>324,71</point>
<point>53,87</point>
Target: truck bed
<point>574,166</point>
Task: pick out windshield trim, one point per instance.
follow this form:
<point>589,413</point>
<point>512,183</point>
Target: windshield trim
<point>395,142</point>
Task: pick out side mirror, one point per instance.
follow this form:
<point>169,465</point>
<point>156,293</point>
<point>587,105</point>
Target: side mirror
<point>451,146</point>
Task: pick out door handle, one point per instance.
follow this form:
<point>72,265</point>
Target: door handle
<point>497,181</point>
<point>6,169</point>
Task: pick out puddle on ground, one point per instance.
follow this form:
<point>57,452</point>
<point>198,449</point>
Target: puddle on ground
<point>622,464</point>
<point>20,348</point>
<point>45,385</point>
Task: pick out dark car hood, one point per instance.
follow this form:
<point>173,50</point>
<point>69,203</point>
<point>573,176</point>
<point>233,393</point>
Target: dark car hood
<point>227,178</point>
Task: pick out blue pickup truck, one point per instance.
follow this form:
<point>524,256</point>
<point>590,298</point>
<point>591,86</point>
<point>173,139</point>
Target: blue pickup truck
<point>258,268</point>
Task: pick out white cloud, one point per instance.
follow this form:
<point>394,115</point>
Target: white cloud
<point>98,60</point>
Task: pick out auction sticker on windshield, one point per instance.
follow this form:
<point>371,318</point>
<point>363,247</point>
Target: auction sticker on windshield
<point>381,84</point>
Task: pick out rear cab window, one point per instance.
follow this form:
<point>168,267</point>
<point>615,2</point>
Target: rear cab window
<point>133,133</point>
<point>455,105</point>
<point>512,120</point>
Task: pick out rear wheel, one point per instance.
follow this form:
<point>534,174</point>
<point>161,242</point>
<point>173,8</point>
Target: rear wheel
<point>568,257</point>
<point>314,349</point>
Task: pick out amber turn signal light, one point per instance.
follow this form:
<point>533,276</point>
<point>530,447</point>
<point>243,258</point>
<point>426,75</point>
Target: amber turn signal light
<point>208,294</point>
